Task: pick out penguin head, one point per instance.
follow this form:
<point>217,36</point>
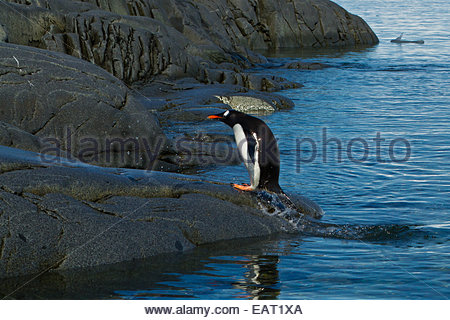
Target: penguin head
<point>229,117</point>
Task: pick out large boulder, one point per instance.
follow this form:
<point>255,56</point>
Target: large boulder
<point>59,214</point>
<point>52,98</point>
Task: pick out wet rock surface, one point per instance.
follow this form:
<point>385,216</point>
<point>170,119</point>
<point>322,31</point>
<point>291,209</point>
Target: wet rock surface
<point>58,214</point>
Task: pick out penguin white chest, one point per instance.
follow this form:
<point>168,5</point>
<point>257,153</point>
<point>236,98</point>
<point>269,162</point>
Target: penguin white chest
<point>251,161</point>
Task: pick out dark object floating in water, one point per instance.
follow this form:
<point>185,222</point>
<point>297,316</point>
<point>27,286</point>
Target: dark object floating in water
<point>399,40</point>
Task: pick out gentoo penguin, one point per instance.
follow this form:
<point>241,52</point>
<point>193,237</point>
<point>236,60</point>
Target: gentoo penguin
<point>258,148</point>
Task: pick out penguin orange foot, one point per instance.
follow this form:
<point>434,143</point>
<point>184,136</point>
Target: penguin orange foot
<point>243,187</point>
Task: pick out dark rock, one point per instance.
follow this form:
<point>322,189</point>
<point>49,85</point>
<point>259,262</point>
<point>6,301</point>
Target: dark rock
<point>306,65</point>
<point>60,214</point>
<point>137,40</point>
<point>75,105</point>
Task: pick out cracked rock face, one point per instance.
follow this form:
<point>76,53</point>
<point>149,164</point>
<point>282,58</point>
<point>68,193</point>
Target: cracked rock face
<point>137,40</point>
<point>53,102</point>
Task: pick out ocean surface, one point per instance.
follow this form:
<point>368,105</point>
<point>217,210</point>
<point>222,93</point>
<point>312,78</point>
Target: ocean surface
<point>369,141</point>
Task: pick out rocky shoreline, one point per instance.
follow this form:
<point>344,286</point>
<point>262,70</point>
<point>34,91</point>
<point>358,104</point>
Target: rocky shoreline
<point>59,214</point>
<point>128,84</point>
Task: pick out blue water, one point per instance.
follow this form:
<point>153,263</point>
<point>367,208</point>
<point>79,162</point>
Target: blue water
<point>402,93</point>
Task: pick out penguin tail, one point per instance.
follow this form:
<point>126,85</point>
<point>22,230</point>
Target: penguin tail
<point>275,188</point>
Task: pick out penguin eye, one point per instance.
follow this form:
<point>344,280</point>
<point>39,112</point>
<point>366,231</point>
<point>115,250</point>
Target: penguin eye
<point>226,113</point>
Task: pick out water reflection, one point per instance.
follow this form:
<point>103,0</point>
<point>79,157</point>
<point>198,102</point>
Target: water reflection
<point>202,273</point>
<point>314,53</point>
<point>261,280</point>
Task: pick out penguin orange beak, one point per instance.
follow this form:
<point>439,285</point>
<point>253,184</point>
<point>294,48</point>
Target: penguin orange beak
<point>213,116</point>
